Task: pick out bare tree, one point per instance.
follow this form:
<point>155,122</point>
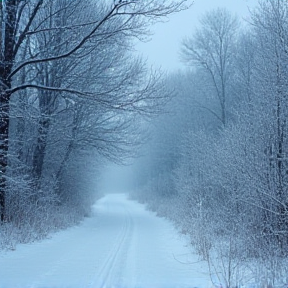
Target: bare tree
<point>212,48</point>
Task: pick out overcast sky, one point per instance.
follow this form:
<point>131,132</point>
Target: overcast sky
<point>163,49</point>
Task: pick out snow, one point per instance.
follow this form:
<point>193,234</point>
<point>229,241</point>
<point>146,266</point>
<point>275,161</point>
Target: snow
<point>121,245</point>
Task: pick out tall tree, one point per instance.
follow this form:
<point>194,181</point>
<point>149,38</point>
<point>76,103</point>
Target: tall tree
<point>211,48</point>
<point>270,28</point>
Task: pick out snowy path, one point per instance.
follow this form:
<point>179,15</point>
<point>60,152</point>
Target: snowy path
<point>121,245</point>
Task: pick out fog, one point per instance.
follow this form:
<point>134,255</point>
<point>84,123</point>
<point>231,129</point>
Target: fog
<point>116,178</point>
<point>162,50</point>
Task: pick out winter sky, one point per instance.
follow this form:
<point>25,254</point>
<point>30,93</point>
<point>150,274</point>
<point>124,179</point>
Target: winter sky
<point>163,49</point>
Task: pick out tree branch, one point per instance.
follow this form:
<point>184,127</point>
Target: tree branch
<point>73,50</point>
<point>24,33</point>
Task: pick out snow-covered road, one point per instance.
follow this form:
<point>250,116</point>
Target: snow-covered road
<point>121,245</point>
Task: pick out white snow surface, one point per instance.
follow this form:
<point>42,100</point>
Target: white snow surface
<point>121,246</point>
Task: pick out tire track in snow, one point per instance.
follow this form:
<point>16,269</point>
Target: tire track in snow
<point>109,274</point>
<point>120,245</point>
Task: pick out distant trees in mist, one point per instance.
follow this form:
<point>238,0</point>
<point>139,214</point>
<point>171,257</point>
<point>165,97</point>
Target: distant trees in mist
<point>218,163</point>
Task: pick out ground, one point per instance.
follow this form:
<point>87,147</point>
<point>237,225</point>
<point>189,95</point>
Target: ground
<point>121,245</point>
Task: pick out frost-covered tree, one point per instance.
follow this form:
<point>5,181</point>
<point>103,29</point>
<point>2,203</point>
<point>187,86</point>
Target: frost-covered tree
<point>44,49</point>
<point>212,48</point>
<point>270,26</point>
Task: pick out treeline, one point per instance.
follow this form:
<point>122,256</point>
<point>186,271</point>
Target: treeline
<point>71,93</point>
<point>218,162</point>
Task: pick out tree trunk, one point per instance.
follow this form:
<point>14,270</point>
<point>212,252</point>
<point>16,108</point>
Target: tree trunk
<point>39,153</point>
<point>46,107</point>
<point>6,63</point>
<point>4,126</point>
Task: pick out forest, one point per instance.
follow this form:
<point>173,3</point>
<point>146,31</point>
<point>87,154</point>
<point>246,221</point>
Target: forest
<point>217,162</point>
<point>74,96</point>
